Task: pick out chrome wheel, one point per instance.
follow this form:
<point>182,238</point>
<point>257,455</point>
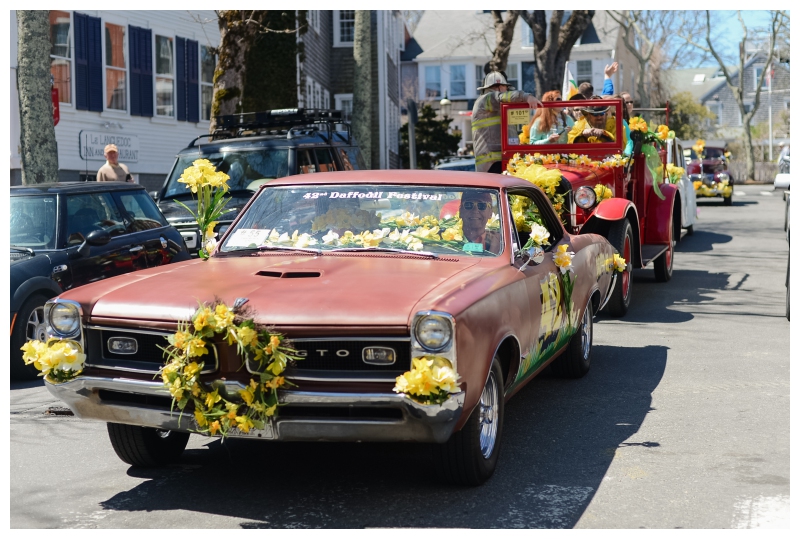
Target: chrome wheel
<point>586,334</point>
<point>488,416</point>
<point>36,329</point>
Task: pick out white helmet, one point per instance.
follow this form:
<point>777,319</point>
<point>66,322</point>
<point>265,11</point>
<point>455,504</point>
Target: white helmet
<point>495,77</point>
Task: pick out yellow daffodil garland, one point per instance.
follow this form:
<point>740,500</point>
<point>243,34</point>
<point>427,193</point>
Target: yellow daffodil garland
<point>603,192</point>
<point>214,413</point>
<point>431,380</point>
<point>720,188</point>
<point>60,360</point>
<point>210,187</point>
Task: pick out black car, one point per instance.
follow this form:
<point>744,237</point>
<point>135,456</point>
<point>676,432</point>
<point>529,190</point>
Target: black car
<point>65,235</point>
<point>254,148</point>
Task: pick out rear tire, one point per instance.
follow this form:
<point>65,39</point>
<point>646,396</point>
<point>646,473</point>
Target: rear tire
<point>469,457</point>
<point>665,261</point>
<point>146,447</point>
<point>577,358</point>
<point>29,325</point>
<point>690,230</point>
<point>620,235</point>
<point>727,201</point>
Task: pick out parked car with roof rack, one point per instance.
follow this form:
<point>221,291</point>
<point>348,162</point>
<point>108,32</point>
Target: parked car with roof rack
<point>64,235</point>
<point>255,148</point>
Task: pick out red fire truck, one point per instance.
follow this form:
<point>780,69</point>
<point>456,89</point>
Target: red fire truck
<point>642,218</point>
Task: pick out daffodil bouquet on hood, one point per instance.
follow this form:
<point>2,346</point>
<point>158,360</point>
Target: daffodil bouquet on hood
<point>210,187</point>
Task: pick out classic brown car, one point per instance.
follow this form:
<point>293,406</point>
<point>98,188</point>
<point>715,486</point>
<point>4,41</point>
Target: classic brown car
<point>362,271</point>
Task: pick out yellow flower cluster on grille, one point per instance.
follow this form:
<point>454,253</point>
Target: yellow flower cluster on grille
<point>431,380</point>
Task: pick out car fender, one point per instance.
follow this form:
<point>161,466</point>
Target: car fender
<point>33,285</point>
<point>615,209</point>
<point>660,214</point>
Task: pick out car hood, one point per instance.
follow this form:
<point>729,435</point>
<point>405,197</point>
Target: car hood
<point>178,215</point>
<point>282,290</point>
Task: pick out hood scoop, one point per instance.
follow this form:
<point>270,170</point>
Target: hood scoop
<point>289,274</point>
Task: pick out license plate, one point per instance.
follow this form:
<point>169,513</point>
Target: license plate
<point>267,432</point>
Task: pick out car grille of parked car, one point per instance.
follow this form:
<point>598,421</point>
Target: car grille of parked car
<point>147,357</point>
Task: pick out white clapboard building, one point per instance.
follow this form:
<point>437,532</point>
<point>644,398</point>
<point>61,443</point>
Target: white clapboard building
<point>139,79</point>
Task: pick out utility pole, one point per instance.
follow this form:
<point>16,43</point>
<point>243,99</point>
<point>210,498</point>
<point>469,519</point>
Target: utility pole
<point>411,105</point>
<point>769,92</point>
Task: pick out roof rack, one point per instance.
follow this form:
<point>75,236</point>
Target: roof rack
<point>279,121</point>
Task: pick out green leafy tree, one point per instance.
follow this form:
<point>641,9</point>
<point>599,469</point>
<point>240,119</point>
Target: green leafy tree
<point>433,137</point>
<point>687,117</point>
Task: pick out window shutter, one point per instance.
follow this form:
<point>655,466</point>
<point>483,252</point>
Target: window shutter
<point>140,48</point>
<point>180,77</point>
<point>192,81</point>
<point>95,61</point>
<point>81,63</point>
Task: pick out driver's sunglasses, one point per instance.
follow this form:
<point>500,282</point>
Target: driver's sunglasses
<point>469,205</point>
<point>597,113</point>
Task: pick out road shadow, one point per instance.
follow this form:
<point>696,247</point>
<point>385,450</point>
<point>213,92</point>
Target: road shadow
<point>701,241</point>
<point>718,202</point>
<point>559,439</point>
<point>26,384</point>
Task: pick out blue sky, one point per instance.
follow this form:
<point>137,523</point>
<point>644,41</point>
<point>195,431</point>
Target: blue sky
<point>728,30</point>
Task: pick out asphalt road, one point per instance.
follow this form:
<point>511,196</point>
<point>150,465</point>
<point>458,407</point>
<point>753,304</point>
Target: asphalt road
<point>682,422</point>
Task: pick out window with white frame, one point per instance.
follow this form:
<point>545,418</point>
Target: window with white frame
<point>327,97</point>
<point>527,36</point>
<point>479,76</point>
<point>584,71</point>
<point>756,74</point>
<point>716,109</point>
<point>317,96</point>
<point>61,54</point>
<point>458,81</point>
<point>344,25</point>
<point>165,76</point>
<point>512,70</point>
<point>433,81</point>
<point>344,103</point>
<point>208,63</point>
<point>313,19</point>
<point>116,69</point>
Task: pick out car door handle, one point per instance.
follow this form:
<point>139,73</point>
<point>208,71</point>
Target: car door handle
<point>136,249</point>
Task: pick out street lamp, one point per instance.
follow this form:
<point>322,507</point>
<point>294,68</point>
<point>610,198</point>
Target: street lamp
<point>445,105</point>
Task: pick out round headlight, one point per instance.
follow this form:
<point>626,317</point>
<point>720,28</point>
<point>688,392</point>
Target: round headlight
<point>65,319</point>
<point>433,332</point>
<point>585,197</point>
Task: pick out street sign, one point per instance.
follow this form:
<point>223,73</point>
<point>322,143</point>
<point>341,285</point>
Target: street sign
<point>92,143</point>
<point>56,113</point>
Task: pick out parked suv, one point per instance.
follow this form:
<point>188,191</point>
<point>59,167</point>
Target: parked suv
<point>64,235</point>
<point>255,148</point>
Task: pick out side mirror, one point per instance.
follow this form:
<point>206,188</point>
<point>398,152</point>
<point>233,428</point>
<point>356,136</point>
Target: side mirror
<point>95,237</point>
<point>534,255</point>
<point>153,195</point>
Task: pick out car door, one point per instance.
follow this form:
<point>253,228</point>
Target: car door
<point>98,211</point>
<point>543,283</point>
<point>146,227</point>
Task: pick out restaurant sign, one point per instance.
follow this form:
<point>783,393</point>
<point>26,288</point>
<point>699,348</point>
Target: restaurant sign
<point>92,144</point>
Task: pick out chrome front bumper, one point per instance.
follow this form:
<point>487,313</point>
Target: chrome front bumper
<point>419,422</point>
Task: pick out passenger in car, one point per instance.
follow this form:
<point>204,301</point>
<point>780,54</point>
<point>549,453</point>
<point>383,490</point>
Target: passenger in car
<point>475,211</point>
<point>550,125</point>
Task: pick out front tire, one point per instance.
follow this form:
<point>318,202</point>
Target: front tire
<point>29,325</point>
<point>663,264</point>
<point>469,457</point>
<point>620,235</point>
<point>146,447</point>
<point>577,358</point>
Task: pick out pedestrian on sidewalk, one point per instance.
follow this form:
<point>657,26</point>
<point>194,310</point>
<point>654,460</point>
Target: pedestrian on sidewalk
<point>113,170</point>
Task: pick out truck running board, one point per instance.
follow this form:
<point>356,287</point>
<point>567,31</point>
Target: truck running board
<point>651,251</point>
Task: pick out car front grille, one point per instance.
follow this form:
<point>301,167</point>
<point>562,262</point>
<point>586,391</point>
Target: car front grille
<point>147,358</point>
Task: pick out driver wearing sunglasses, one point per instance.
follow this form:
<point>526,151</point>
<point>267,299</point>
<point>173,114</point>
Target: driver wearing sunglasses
<point>475,211</point>
<point>595,126</point>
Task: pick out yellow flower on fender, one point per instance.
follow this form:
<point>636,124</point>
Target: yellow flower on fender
<point>663,132</point>
<point>563,258</point>
<point>638,124</point>
<point>602,192</point>
<point>619,263</point>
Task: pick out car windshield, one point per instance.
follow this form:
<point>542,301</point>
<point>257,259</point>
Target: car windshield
<point>247,169</point>
<point>33,222</point>
<point>709,153</point>
<point>427,219</point>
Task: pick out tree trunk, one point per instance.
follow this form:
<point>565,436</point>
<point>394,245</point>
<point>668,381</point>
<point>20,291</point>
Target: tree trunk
<point>503,33</point>
<point>644,97</point>
<point>237,34</point>
<point>553,45</point>
<point>748,146</point>
<point>39,152</point>
<point>363,102</point>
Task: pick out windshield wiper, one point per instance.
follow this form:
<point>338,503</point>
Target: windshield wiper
<point>289,248</point>
<point>386,250</point>
<point>25,249</point>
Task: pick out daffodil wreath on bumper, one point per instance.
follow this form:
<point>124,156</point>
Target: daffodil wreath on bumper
<point>210,187</point>
<point>431,380</point>
<point>213,413</point>
<point>60,360</point>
